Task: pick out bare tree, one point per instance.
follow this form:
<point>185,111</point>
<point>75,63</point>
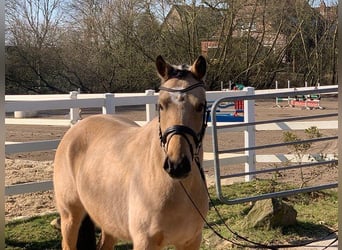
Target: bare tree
<point>264,40</point>
<point>32,28</point>
<point>110,45</point>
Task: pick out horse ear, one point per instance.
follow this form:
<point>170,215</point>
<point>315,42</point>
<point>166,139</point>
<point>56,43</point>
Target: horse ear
<point>163,68</point>
<point>199,68</point>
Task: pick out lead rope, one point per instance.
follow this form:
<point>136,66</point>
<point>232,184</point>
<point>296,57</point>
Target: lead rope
<point>198,163</point>
<point>253,243</point>
<point>218,233</point>
<point>331,243</point>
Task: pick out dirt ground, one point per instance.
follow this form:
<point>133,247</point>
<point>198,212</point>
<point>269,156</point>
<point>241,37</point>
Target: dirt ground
<point>38,166</point>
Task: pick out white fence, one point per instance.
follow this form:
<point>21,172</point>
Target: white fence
<point>108,102</point>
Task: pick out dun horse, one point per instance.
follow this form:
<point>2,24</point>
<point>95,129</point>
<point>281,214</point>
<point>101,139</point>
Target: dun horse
<point>133,181</point>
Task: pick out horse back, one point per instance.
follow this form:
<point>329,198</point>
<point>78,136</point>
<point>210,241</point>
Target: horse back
<point>94,129</point>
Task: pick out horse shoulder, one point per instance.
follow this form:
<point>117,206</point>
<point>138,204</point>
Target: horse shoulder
<point>78,138</point>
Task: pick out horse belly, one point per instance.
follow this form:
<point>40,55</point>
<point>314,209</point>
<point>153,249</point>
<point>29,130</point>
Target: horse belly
<point>106,199</point>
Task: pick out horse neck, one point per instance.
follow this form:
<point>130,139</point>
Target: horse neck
<point>156,151</point>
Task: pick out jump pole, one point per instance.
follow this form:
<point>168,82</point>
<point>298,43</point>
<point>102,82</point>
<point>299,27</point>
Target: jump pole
<point>280,99</point>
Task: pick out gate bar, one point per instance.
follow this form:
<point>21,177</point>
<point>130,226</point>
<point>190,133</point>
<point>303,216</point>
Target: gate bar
<point>278,120</point>
<point>304,165</point>
<point>278,194</point>
<point>327,138</point>
<point>216,151</point>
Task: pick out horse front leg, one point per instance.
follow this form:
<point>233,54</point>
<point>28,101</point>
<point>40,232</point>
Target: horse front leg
<point>70,224</point>
<point>106,242</point>
<point>194,244</point>
<point>143,242</point>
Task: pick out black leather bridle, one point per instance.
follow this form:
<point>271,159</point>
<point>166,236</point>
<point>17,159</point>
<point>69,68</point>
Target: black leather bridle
<point>182,130</point>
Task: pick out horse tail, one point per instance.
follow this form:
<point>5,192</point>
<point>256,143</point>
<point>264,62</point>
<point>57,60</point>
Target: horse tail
<point>86,235</point>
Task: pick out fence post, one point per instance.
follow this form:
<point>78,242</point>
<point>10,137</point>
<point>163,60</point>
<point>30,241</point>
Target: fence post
<point>74,112</point>
<point>151,107</point>
<point>277,98</point>
<point>2,148</point>
<point>249,116</point>
<point>288,98</point>
<point>109,104</point>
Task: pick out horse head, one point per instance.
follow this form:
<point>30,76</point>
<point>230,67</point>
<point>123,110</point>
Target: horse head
<point>182,114</point>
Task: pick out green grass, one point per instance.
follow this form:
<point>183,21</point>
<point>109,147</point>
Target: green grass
<point>33,233</point>
<point>37,233</point>
<point>312,222</point>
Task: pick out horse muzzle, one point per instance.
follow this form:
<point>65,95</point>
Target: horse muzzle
<point>177,169</point>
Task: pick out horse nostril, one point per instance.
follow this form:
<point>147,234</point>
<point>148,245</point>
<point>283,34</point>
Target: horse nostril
<point>185,165</point>
<point>179,169</point>
<point>167,165</point>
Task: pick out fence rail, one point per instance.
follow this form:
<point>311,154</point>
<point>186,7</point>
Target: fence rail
<point>75,101</point>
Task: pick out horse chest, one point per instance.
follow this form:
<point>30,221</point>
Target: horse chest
<point>167,203</point>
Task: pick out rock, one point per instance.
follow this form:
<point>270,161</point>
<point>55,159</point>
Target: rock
<point>271,213</point>
<point>56,223</point>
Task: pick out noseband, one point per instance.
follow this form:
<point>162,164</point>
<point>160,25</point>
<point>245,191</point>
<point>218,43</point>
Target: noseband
<point>184,130</point>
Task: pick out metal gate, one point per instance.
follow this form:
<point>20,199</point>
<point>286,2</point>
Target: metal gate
<point>249,127</point>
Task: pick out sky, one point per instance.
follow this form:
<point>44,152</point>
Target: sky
<point>327,2</point>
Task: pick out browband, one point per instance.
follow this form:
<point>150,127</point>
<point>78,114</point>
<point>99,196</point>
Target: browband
<point>196,85</point>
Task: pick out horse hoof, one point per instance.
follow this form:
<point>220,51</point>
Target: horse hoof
<point>56,223</point>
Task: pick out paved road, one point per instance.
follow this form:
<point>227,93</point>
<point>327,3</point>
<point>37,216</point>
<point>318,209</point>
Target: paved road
<point>320,245</point>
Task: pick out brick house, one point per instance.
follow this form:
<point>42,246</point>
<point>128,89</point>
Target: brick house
<point>252,18</point>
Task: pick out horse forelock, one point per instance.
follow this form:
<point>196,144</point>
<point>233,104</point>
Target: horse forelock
<point>179,71</point>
